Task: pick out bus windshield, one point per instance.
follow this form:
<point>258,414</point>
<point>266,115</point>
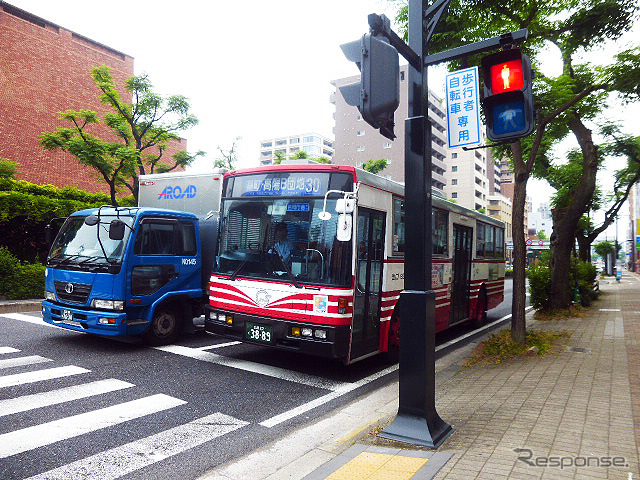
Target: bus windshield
<point>77,243</point>
<point>282,238</point>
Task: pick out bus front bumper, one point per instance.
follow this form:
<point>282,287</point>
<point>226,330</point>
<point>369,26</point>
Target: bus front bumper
<point>319,340</point>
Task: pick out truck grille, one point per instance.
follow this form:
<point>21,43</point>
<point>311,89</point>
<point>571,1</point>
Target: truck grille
<point>79,293</point>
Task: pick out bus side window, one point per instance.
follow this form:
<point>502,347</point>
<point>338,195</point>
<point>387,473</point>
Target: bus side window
<point>440,235</point>
<point>480,240</point>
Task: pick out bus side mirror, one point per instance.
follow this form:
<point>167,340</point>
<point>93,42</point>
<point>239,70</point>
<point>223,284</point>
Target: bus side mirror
<point>345,205</point>
<point>345,227</point>
<point>116,229</point>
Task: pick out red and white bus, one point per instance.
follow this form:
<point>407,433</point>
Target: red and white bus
<point>310,259</point>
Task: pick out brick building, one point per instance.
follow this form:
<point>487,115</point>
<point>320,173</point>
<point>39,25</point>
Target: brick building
<point>45,69</point>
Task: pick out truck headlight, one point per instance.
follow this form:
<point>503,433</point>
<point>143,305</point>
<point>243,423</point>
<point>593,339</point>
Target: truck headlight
<point>108,304</point>
<point>49,296</point>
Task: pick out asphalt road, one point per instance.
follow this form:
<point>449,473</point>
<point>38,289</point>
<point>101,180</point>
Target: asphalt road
<point>78,406</point>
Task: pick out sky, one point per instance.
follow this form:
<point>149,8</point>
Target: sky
<point>251,69</point>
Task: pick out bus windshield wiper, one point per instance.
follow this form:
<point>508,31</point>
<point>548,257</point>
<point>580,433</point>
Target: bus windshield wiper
<point>286,268</point>
<point>237,270</point>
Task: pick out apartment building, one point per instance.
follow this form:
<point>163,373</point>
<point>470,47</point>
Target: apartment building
<point>314,144</point>
<point>357,142</point>
<point>467,178</point>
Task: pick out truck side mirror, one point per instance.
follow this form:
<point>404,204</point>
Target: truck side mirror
<point>345,224</point>
<point>116,229</point>
<point>48,234</point>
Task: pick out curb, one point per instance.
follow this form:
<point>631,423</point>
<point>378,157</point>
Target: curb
<point>12,306</point>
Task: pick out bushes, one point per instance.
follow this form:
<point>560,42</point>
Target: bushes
<point>585,274</point>
<point>26,209</point>
<point>539,284</point>
<point>20,280</point>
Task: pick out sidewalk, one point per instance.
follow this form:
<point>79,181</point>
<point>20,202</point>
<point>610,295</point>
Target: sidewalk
<point>574,414</point>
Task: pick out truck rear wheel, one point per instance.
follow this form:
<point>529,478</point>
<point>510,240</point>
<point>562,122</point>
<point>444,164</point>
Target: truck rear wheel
<point>165,327</point>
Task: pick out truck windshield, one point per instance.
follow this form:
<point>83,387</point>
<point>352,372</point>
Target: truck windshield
<point>77,243</point>
<point>282,238</point>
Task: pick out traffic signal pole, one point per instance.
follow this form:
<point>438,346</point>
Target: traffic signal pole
<point>417,421</point>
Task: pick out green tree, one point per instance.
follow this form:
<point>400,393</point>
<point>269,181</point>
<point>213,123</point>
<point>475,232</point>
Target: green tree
<point>279,157</point>
<point>375,166</point>
<point>228,158</point>
<point>604,249</point>
<point>565,103</point>
<point>618,145</point>
<point>8,168</point>
<point>542,235</point>
<point>141,131</point>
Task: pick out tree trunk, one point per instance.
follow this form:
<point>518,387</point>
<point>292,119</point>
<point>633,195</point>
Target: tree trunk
<point>565,220</point>
<point>562,241</point>
<point>584,247</point>
<point>518,301</point>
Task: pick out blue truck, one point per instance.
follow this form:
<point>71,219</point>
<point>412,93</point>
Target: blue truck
<point>122,271</point>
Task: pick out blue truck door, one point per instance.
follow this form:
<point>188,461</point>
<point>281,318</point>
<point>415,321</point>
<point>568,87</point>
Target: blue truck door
<point>165,261</point>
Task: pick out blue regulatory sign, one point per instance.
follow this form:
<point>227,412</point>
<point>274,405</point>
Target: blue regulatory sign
<point>463,107</point>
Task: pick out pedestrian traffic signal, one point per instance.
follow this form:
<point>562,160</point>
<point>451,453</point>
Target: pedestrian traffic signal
<point>377,95</point>
<point>508,95</point>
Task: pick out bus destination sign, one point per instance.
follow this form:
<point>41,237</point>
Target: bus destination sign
<point>282,185</point>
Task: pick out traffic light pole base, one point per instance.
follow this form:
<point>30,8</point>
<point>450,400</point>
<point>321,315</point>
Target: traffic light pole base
<point>418,430</point>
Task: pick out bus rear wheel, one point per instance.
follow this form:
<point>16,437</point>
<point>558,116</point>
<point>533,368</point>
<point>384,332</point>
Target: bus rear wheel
<point>165,327</point>
<point>481,310</point>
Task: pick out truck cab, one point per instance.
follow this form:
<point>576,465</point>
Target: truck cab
<point>126,271</point>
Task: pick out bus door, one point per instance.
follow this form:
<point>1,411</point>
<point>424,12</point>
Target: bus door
<point>462,242</point>
<point>365,335</point>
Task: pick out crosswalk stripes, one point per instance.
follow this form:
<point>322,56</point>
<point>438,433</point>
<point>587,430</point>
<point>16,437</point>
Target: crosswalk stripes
<point>110,464</point>
<point>20,441</point>
<point>22,361</point>
<point>40,375</point>
<point>119,461</point>
<point>4,350</point>
<point>61,395</point>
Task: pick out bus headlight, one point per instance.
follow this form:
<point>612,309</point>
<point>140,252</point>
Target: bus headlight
<point>49,296</point>
<point>108,304</point>
<point>322,334</point>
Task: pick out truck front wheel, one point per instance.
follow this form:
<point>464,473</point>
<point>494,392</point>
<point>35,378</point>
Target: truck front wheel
<point>164,328</point>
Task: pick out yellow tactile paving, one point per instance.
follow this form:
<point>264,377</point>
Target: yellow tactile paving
<point>379,466</point>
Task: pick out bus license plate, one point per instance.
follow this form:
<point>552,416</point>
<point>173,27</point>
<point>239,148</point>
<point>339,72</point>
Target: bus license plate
<point>259,333</point>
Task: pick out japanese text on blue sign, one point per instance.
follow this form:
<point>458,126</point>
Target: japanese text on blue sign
<point>463,109</point>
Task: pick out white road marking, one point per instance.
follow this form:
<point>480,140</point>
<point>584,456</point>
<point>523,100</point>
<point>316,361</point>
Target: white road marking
<point>345,388</point>
<point>22,361</point>
<point>62,395</point>
<point>276,372</point>
<point>39,375</point>
<point>609,309</point>
<point>26,439</point>
<point>29,319</point>
<point>120,461</point>
<point>218,345</point>
<point>4,350</point>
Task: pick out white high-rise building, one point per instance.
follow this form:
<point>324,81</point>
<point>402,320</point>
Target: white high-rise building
<point>314,144</point>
